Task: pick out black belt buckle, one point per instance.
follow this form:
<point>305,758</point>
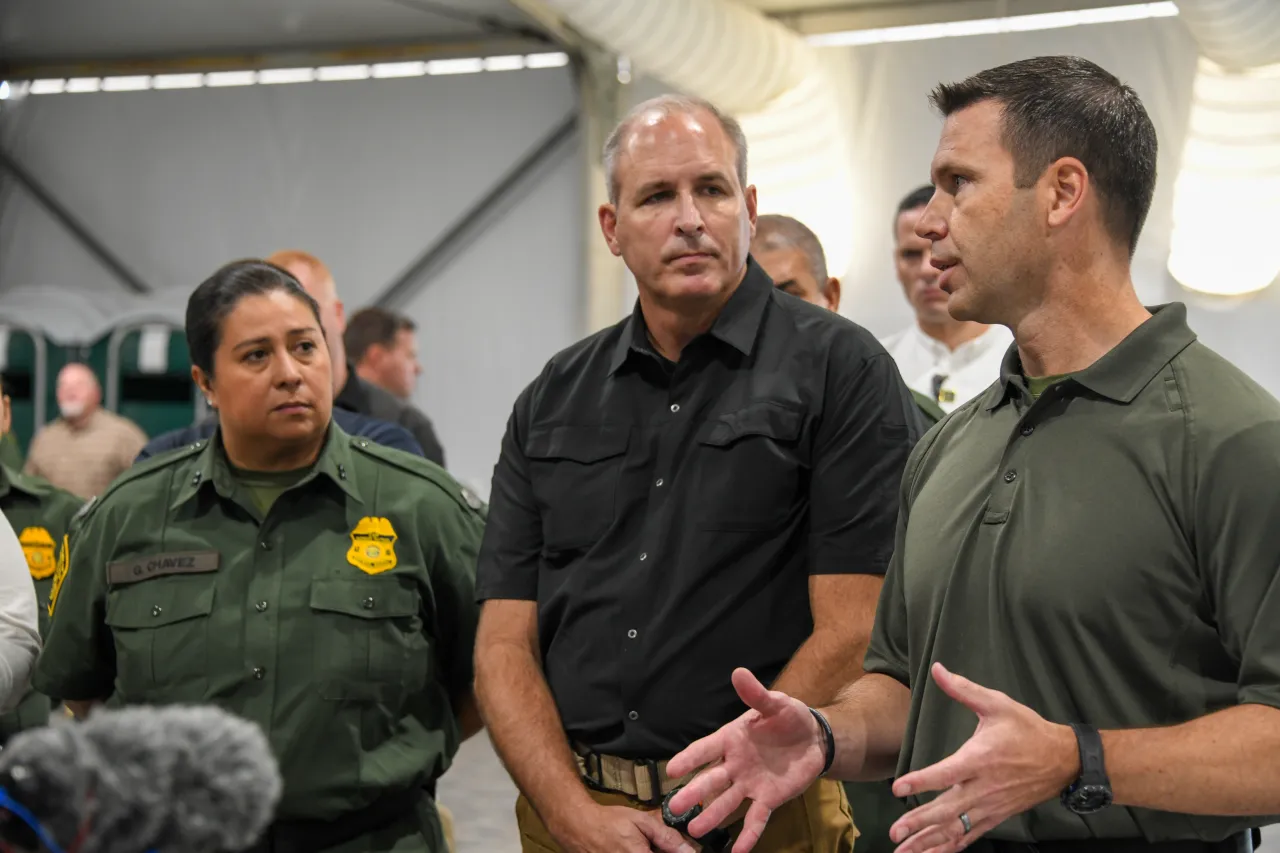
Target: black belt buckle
<point>594,777</point>
<point>655,782</point>
<point>716,841</point>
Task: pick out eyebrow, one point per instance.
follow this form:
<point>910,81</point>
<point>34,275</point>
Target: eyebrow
<point>259,341</point>
<point>655,186</point>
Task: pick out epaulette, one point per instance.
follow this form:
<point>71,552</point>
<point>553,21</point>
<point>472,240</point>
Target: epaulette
<point>424,468</point>
<point>138,470</point>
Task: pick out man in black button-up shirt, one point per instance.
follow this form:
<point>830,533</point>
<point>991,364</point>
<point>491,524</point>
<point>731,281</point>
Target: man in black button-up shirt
<point>707,484</point>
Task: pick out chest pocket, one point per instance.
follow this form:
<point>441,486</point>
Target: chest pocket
<point>751,459</point>
<point>160,628</point>
<point>574,472</point>
<point>369,639</point>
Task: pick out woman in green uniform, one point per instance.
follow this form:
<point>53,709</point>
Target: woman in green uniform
<point>40,515</point>
<point>315,583</point>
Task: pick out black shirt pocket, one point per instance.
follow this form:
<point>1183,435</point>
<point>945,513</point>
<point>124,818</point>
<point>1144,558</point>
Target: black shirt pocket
<point>750,468</point>
<point>574,471</point>
<point>160,628</point>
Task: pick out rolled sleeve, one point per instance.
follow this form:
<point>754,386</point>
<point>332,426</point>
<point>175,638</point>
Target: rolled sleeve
<point>861,446</point>
<point>1238,545</point>
<point>511,553</point>
<point>78,662</point>
<point>19,620</point>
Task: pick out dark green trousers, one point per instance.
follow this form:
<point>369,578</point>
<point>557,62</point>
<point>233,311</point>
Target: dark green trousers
<point>874,808</point>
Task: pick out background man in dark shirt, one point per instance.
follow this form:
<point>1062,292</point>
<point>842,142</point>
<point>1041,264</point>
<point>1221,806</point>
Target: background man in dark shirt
<point>383,345</point>
<point>350,391</point>
<point>708,480</point>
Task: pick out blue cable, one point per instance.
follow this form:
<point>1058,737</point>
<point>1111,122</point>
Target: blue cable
<point>10,804</point>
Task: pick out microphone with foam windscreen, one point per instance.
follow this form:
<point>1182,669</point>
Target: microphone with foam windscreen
<point>138,780</point>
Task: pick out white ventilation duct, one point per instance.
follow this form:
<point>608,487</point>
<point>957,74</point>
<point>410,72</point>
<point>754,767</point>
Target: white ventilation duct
<point>1231,163</point>
<point>763,74</point>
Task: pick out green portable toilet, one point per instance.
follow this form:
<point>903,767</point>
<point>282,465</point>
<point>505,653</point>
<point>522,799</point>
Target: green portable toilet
<point>149,378</point>
<point>24,361</point>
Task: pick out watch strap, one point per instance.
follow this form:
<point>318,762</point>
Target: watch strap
<point>1093,770</point>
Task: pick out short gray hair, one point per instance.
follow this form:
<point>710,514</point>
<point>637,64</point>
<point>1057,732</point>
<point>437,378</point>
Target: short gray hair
<point>775,231</point>
<point>670,105</point>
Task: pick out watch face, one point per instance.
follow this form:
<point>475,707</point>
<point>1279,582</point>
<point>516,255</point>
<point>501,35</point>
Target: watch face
<point>1087,799</point>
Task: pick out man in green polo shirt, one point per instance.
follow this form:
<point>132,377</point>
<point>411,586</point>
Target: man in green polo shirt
<point>1091,546</point>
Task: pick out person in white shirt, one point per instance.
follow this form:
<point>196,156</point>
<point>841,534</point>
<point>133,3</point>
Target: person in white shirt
<point>951,361</point>
<point>19,624</point>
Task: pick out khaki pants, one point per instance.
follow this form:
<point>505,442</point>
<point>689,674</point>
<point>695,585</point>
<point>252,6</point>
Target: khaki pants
<point>817,822</point>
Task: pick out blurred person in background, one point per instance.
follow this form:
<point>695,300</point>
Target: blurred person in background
<point>351,392</point>
<point>948,360</point>
<point>791,255</point>
<point>712,477</point>
<point>316,584</point>
<point>40,515</point>
<point>86,447</point>
<point>384,348</point>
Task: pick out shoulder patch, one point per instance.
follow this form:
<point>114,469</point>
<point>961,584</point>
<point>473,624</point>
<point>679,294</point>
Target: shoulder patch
<point>420,467</point>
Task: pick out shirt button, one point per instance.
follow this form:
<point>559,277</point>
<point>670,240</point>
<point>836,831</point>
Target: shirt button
<point>632,633</point>
<point>261,606</point>
<point>1027,430</point>
<point>675,407</point>
<point>1010,476</point>
<point>342,472</point>
<point>195,481</point>
<point>157,610</point>
<point>367,604</point>
<point>644,557</point>
<point>633,716</point>
<point>266,546</point>
<point>259,673</point>
<point>659,483</point>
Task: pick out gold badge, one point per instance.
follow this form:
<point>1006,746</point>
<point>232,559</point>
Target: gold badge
<point>38,546</point>
<point>373,544</point>
<point>64,560</point>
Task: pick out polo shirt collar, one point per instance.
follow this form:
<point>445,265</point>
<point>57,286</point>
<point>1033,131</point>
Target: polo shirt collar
<point>212,470</point>
<point>1124,371</point>
<point>738,323</point>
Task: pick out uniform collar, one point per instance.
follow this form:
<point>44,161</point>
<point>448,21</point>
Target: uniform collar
<point>212,469</point>
<point>11,480</point>
<point>1124,371</point>
<point>738,323</point>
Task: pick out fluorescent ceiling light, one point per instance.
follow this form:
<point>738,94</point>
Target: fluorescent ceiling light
<point>455,66</point>
<point>231,78</point>
<point>343,72</point>
<point>991,26</point>
<point>504,63</point>
<point>273,76</point>
<point>546,60</point>
<point>177,81</point>
<point>384,70</point>
<point>48,87</point>
<point>5,91</point>
<point>84,84</point>
<point>125,84</point>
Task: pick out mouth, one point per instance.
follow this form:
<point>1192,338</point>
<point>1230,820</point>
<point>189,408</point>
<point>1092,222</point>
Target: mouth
<point>944,268</point>
<point>692,257</point>
<point>293,408</point>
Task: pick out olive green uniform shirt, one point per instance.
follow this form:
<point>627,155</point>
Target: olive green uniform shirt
<point>40,514</point>
<point>10,452</point>
<point>1105,554</point>
<point>341,623</point>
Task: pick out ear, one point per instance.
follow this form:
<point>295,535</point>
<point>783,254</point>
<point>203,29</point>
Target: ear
<point>205,383</point>
<point>750,196</point>
<point>608,214</point>
<point>832,293</point>
<point>1066,184</point>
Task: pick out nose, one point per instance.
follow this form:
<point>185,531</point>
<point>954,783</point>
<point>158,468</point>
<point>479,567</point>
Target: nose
<point>287,373</point>
<point>932,224</point>
<point>688,217</point>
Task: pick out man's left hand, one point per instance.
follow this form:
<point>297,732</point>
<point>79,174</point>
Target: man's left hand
<point>1014,761</point>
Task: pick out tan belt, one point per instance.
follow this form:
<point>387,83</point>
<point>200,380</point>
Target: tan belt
<point>646,781</point>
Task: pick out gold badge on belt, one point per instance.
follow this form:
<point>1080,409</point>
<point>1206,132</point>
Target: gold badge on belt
<point>38,547</point>
<point>373,546</point>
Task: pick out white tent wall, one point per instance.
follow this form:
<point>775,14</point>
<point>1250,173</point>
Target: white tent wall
<point>895,133</point>
<point>364,174</point>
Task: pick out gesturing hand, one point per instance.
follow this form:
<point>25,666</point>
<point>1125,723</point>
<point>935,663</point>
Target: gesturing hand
<point>1014,761</point>
<point>769,755</point>
<point>618,829</point>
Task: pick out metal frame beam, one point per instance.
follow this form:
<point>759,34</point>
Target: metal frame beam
<point>78,229</point>
<point>463,230</point>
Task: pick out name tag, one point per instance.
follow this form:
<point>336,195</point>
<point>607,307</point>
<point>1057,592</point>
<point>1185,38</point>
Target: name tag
<point>159,565</point>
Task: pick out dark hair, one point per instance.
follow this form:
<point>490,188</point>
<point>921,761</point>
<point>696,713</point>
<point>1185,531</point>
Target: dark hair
<point>217,295</point>
<point>370,326</point>
<point>775,231</point>
<point>1064,106</point>
<point>918,197</point>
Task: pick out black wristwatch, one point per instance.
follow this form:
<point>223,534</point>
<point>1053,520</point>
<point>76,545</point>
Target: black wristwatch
<point>1092,791</point>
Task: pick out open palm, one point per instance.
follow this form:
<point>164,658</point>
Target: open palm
<point>769,755</point>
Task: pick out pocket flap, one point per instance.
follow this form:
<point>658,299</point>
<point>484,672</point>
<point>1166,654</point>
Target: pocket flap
<point>154,605</point>
<point>364,598</point>
<point>578,443</point>
<point>771,420</point>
